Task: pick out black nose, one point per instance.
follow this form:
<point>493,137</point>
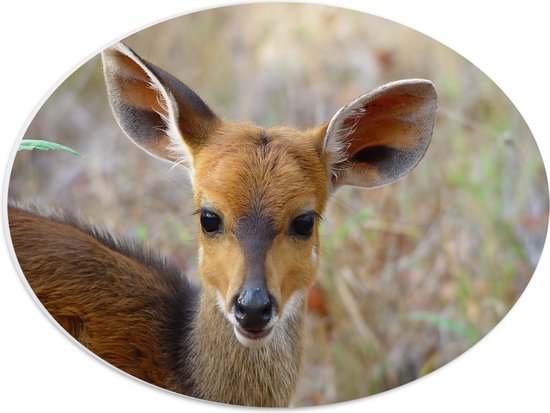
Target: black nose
<point>253,308</point>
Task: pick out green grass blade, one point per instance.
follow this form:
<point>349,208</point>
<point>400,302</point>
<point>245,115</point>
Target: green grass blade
<point>30,144</point>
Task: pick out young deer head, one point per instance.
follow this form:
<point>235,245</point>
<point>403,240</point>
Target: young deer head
<point>259,192</point>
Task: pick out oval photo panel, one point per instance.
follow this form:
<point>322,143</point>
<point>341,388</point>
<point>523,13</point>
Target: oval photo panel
<point>278,204</point>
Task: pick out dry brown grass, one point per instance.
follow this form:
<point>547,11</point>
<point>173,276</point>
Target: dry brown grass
<point>412,274</point>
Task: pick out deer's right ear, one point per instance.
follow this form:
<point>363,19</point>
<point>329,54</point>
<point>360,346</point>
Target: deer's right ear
<point>155,110</point>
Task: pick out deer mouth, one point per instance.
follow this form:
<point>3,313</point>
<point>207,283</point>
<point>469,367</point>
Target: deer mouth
<point>253,338</point>
<point>254,334</point>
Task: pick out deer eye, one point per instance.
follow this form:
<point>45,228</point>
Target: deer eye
<point>302,226</point>
<point>210,222</point>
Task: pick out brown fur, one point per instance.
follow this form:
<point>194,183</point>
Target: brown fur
<point>137,312</point>
<point>86,286</point>
<point>239,174</point>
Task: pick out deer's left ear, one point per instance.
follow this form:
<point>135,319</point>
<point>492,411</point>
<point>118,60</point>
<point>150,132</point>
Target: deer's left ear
<point>381,136</point>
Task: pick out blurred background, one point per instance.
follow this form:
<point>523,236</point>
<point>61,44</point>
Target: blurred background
<point>412,274</point>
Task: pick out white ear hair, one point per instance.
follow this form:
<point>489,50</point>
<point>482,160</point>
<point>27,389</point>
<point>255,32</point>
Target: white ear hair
<point>336,140</point>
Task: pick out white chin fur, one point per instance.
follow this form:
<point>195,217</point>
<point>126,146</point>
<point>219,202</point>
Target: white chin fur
<point>252,343</point>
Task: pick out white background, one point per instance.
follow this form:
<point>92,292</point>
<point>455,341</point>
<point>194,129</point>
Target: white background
<point>40,369</point>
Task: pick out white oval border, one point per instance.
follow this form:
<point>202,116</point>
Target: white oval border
<point>40,369</point>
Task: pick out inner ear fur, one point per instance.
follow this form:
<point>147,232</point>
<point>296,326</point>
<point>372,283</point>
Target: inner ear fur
<point>156,111</point>
<point>382,135</point>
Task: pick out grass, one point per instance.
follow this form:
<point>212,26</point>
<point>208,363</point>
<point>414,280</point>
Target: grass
<point>41,145</point>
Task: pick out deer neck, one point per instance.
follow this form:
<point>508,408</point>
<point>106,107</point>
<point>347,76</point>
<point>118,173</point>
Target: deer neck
<point>224,370</point>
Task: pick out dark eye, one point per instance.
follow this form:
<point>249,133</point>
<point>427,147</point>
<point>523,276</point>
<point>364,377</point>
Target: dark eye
<point>302,225</point>
<point>210,222</point>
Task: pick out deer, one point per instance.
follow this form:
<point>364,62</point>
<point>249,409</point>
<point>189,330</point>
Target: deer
<point>237,336</point>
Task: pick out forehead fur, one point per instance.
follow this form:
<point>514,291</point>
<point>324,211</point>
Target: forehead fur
<point>244,169</point>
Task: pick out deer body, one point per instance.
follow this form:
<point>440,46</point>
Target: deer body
<point>136,311</point>
<point>259,193</point>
